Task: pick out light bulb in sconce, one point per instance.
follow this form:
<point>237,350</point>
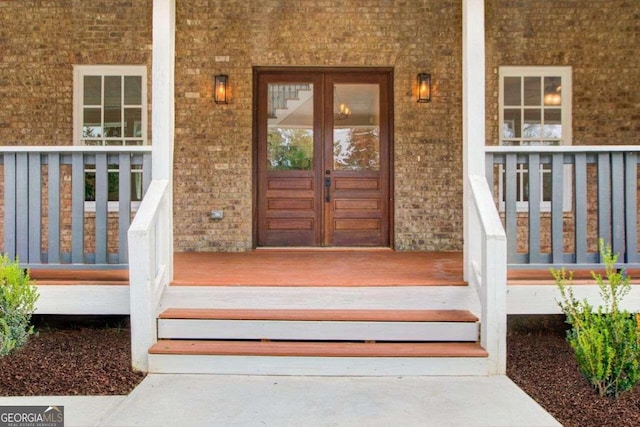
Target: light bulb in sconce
<point>424,87</point>
<point>221,89</point>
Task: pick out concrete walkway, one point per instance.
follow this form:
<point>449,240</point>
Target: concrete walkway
<point>211,400</point>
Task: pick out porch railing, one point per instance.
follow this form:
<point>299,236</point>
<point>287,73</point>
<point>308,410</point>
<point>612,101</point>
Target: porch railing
<point>57,211</point>
<point>575,195</point>
<point>488,272</point>
<point>151,271</point>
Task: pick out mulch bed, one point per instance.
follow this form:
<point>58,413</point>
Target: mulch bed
<point>72,357</point>
<point>93,358</point>
<point>541,362</point>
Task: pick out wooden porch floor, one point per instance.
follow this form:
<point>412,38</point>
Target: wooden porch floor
<point>319,268</point>
<point>346,268</point>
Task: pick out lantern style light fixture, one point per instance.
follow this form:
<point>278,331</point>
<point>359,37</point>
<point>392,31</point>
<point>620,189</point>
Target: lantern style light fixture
<point>424,87</point>
<point>221,89</point>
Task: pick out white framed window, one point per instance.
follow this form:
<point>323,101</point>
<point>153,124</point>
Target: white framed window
<point>110,109</point>
<point>535,109</point>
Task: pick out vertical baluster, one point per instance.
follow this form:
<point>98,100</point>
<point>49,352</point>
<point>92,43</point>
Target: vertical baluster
<point>35,208</point>
<point>534,207</point>
<point>617,203</point>
<point>631,207</point>
<point>10,216</point>
<point>557,208</point>
<point>53,256</point>
<point>102,200</point>
<point>604,197</point>
<point>510,207</point>
<point>77,208</point>
<point>124,206</point>
<point>22,206</point>
<point>580,228</point>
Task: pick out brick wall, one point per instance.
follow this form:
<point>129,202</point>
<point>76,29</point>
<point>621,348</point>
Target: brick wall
<point>213,168</point>
<point>42,40</point>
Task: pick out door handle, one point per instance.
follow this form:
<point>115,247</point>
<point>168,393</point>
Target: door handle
<point>327,188</point>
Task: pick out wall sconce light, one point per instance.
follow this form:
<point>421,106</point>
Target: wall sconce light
<point>424,87</point>
<point>221,89</point>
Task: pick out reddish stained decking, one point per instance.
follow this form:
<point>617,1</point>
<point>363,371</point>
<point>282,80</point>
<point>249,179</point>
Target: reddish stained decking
<point>310,268</point>
<point>319,268</point>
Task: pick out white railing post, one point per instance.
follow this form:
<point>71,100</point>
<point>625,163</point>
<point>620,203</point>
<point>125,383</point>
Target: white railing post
<point>473,108</point>
<point>163,114</point>
<point>488,262</point>
<point>148,271</point>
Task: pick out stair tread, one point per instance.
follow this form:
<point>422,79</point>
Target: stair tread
<point>314,349</point>
<point>321,315</point>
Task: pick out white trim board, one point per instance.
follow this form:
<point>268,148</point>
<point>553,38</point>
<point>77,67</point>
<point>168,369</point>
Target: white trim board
<point>317,366</point>
<point>83,299</point>
<point>542,299</point>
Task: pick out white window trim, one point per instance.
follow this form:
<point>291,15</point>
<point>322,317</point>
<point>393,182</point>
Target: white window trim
<point>565,72</point>
<point>79,71</point>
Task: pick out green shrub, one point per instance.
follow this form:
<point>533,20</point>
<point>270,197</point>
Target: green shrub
<point>605,341</point>
<point>17,303</point>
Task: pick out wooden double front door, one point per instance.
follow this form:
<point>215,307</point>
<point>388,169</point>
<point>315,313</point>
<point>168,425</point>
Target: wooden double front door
<point>323,147</point>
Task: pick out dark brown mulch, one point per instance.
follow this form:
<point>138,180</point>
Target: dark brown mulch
<point>541,362</point>
<point>71,358</point>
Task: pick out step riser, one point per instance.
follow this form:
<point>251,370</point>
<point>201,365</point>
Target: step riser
<point>317,366</point>
<point>319,330</point>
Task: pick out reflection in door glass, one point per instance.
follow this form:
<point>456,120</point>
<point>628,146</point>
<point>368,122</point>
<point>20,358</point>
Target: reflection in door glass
<point>290,126</point>
<point>356,127</point>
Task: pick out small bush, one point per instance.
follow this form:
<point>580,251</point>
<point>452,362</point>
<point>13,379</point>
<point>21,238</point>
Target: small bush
<point>606,341</point>
<point>17,303</point>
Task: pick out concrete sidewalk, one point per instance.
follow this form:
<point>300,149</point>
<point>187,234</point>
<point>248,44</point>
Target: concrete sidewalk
<point>212,400</point>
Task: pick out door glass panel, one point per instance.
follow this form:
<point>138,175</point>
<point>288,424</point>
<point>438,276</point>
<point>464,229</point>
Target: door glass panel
<point>356,127</point>
<point>290,126</point>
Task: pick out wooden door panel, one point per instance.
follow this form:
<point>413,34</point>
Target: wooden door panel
<point>357,205</point>
<point>358,212</point>
<point>291,217</point>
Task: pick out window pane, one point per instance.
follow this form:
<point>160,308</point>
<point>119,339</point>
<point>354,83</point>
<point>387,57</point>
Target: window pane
<point>113,91</point>
<point>132,90</point>
<point>290,126</point>
<point>133,122</point>
<point>532,89</point>
<point>92,90</point>
<point>532,124</point>
<point>512,91</point>
<point>512,123</point>
<point>552,91</point>
<point>90,184</point>
<point>553,123</point>
<point>112,122</point>
<point>133,143</point>
<point>356,130</point>
<point>91,123</point>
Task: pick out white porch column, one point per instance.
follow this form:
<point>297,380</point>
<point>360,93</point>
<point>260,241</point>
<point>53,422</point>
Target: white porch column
<point>162,114</point>
<point>473,108</point>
